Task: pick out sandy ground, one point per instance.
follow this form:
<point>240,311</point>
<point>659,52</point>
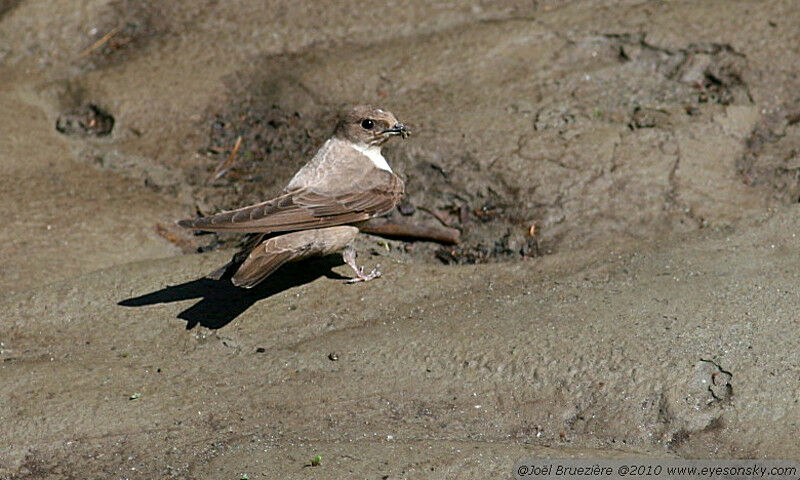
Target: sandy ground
<point>654,146</point>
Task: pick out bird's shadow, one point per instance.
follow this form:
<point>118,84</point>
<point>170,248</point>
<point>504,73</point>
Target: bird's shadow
<point>221,302</point>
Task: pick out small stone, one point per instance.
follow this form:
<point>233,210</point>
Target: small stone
<point>406,208</point>
<point>88,120</point>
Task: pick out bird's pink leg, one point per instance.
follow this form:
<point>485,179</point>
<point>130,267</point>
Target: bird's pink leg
<point>349,256</point>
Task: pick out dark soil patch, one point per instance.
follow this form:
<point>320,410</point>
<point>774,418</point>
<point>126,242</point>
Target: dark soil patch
<point>771,159</point>
<point>8,5</point>
<point>123,26</point>
<point>88,120</point>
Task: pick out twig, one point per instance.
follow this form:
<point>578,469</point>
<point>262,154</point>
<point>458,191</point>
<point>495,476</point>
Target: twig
<point>434,214</point>
<point>176,237</point>
<point>223,167</point>
<point>388,228</point>
<point>99,43</point>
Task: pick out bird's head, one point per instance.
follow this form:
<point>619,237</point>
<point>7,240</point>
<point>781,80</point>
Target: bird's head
<point>369,126</point>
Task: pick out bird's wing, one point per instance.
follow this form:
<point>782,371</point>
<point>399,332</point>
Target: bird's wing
<point>251,241</point>
<point>268,256</point>
<point>262,262</point>
<point>376,193</point>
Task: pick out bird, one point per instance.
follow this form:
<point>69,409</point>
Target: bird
<point>346,182</point>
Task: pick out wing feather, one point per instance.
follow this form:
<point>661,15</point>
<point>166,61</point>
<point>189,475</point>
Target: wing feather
<point>268,256</point>
<point>260,264</point>
<point>305,208</point>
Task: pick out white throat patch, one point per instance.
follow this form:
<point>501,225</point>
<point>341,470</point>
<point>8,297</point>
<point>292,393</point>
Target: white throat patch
<point>374,154</point>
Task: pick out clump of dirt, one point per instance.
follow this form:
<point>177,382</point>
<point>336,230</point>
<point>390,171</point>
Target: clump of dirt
<point>714,71</point>
<point>771,158</point>
<point>122,27</point>
<point>88,120</point>
<point>8,5</point>
<point>509,246</point>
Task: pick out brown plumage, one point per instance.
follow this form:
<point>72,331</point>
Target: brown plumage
<point>347,181</point>
<point>268,256</point>
<point>308,207</point>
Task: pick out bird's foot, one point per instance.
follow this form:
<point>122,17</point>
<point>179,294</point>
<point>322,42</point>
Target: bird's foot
<point>349,256</point>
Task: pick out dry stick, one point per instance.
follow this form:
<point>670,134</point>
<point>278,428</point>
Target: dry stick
<point>388,228</point>
<point>176,237</point>
<point>101,41</point>
<point>225,165</point>
<point>434,214</point>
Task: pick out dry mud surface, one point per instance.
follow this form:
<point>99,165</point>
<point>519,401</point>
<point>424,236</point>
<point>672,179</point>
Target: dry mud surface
<point>652,146</point>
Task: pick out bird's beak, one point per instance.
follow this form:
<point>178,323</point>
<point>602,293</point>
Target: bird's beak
<point>398,129</point>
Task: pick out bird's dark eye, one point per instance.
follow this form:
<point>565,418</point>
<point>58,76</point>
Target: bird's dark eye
<point>367,124</point>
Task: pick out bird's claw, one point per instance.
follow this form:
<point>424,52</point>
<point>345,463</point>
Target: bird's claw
<point>362,277</point>
<point>349,256</point>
